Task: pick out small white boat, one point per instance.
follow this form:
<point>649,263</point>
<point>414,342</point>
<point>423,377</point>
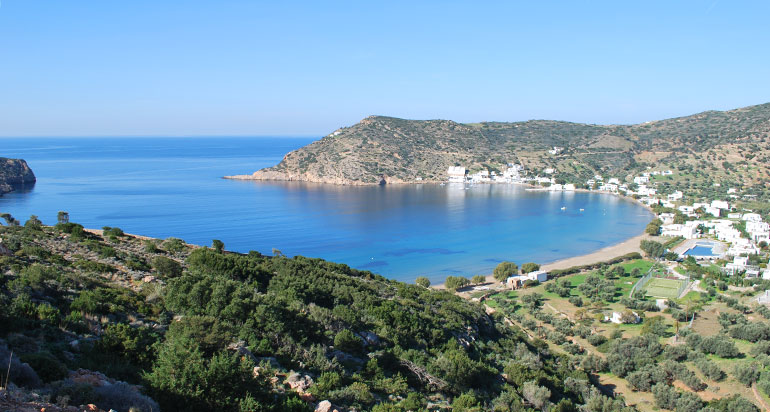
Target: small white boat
<point>582,210</point>
<point>564,208</point>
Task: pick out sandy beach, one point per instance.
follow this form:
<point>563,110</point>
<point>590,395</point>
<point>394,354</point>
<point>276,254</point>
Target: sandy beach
<point>607,253</point>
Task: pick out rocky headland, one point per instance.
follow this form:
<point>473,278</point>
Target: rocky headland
<point>381,149</point>
<point>14,173</point>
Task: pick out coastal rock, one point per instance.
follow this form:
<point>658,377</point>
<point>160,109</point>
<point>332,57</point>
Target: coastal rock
<point>14,173</point>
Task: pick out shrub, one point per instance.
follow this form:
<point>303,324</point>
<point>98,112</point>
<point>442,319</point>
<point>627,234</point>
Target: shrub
<point>347,341</point>
<point>596,339</point>
<point>122,397</point>
<point>166,267</point>
<point>47,367</point>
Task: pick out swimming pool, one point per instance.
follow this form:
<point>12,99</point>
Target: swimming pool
<point>701,249</point>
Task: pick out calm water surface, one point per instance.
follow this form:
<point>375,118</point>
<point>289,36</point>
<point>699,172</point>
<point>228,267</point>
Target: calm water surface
<point>163,187</point>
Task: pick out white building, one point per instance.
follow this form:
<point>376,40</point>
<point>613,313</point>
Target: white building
<point>673,197</point>
<point>688,230</point>
<point>640,180</point>
<point>617,317</point>
<point>666,218</point>
<point>614,181</point>
<point>456,174</point>
<point>720,204</point>
<point>515,282</point>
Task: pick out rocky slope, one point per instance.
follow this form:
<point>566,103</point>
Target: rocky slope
<point>14,173</point>
<point>381,150</point>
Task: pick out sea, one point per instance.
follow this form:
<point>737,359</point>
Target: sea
<point>173,187</point>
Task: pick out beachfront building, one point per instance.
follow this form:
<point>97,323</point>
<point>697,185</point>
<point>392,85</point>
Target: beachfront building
<point>516,282</point>
<point>687,230</point>
<point>456,174</point>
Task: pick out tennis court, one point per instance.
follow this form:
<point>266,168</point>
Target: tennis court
<point>664,288</point>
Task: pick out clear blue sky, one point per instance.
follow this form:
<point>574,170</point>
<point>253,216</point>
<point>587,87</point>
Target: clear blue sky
<point>226,67</point>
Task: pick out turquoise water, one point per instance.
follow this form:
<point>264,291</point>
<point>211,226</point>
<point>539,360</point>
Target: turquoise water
<point>165,187</point>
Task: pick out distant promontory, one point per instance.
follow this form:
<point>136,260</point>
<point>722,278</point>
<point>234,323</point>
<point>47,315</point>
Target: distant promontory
<point>14,173</point>
<point>379,150</point>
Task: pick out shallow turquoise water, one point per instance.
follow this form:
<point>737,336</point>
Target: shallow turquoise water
<point>172,187</point>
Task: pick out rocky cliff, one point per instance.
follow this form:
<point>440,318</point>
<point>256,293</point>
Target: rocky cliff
<point>13,174</point>
<point>389,150</point>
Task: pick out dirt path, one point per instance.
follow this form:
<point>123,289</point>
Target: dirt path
<point>759,397</point>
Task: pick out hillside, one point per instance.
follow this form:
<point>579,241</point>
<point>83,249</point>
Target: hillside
<point>730,147</point>
<point>14,173</point>
<point>89,314</point>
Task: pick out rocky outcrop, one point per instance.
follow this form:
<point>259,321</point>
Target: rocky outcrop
<point>14,173</point>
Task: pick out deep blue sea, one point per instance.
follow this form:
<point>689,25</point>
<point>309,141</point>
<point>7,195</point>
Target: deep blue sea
<point>163,187</point>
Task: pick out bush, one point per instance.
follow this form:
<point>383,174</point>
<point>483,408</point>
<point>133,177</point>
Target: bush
<point>166,267</point>
<point>596,339</point>
<point>122,397</point>
<point>48,368</point>
<point>422,281</point>
<point>347,341</point>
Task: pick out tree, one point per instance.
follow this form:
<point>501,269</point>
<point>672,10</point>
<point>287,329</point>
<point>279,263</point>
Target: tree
<point>422,281</point>
<point>478,279</point>
<point>529,267</point>
<point>33,223</point>
<point>62,217</point>
<point>505,270</point>
<point>653,228</point>
<point>218,245</point>
<point>536,395</point>
<point>652,248</point>
<point>456,282</point>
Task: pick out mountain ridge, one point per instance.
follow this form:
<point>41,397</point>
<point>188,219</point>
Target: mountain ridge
<point>384,149</point>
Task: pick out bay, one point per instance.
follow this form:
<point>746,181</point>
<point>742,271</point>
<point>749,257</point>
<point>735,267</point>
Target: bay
<point>163,187</point>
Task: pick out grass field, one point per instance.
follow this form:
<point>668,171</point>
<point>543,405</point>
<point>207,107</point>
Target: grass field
<point>663,288</point>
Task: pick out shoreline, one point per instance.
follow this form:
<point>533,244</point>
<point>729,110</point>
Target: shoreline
<point>606,253</point>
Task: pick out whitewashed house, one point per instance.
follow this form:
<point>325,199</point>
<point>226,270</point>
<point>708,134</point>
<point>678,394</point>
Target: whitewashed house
<point>456,174</point>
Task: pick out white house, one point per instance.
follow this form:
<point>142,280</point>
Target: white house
<point>713,211</point>
<point>640,180</point>
<point>738,265</point>
<point>617,317</point>
<point>515,282</point>
<point>614,181</point>
<point>688,230</point>
<point>720,204</point>
<point>752,217</point>
<point>569,187</point>
<point>456,174</point>
<point>673,197</point>
<point>666,218</point>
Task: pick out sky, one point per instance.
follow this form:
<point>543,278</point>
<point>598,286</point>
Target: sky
<point>229,67</point>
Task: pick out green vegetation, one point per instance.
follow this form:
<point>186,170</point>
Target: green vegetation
<point>213,330</point>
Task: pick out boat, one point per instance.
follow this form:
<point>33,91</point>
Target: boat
<point>564,208</point>
<point>582,210</point>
